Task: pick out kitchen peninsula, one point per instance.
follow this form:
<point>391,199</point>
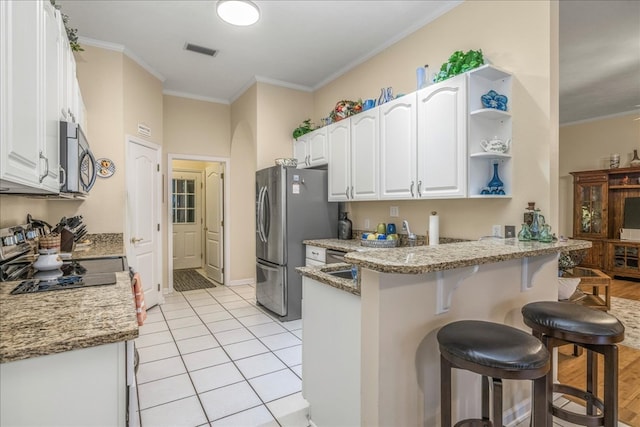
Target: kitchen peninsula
<point>373,346</point>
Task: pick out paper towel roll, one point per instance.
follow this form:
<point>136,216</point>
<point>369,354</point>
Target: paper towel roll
<point>434,229</point>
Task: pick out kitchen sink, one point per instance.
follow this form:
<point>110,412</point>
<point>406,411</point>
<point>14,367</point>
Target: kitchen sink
<point>343,274</point>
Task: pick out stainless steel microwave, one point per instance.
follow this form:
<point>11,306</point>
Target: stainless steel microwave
<point>77,163</point>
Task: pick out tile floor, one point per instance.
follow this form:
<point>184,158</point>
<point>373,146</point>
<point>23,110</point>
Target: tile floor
<point>211,357</point>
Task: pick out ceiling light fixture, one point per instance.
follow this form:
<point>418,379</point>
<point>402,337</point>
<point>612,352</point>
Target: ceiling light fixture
<point>238,12</point>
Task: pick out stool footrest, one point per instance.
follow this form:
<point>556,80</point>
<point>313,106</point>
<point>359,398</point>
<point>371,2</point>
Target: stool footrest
<point>572,417</point>
<point>474,422</point>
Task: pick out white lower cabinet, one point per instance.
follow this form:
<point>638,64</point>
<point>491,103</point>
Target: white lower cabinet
<point>442,139</point>
<point>354,158</point>
<point>86,387</point>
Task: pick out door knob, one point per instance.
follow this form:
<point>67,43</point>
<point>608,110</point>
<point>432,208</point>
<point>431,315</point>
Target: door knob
<point>134,240</point>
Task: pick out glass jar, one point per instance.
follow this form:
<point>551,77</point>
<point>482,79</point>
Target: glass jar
<point>524,235</point>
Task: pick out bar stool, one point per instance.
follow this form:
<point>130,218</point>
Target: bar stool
<point>496,351</point>
<point>559,323</point>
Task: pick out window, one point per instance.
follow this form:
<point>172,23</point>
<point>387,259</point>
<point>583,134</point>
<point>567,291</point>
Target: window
<point>184,201</point>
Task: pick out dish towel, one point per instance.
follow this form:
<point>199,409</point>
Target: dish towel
<point>138,294</point>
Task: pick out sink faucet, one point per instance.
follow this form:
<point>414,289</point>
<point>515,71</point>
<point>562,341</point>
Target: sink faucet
<point>412,237</point>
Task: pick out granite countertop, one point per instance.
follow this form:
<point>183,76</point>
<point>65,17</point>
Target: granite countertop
<point>354,244</point>
<point>45,323</point>
<point>319,273</point>
<point>104,244</point>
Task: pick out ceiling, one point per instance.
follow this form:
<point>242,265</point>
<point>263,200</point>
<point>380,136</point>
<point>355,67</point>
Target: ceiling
<point>305,44</point>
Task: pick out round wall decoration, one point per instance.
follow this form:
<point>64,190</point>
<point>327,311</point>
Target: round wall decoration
<point>105,168</point>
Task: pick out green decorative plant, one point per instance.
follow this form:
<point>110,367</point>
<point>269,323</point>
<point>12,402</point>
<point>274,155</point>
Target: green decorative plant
<point>305,127</point>
<point>460,62</point>
<point>71,32</point>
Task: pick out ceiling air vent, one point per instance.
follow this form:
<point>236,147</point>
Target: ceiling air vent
<point>200,49</point>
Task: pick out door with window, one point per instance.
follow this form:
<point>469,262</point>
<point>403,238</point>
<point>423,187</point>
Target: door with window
<point>186,212</point>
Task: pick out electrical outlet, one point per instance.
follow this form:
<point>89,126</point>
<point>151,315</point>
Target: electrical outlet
<point>496,231</point>
<point>509,231</point>
<point>366,224</point>
<point>394,211</point>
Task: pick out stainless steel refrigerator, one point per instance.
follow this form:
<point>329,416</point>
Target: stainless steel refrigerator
<point>291,206</point>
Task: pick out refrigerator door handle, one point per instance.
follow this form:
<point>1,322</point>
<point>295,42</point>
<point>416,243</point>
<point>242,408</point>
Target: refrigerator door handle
<point>267,216</point>
<point>261,214</point>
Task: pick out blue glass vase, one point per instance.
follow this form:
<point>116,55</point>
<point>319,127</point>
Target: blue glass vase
<point>495,181</point>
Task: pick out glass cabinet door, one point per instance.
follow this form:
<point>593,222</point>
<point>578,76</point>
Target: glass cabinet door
<point>591,210</point>
<point>624,257</point>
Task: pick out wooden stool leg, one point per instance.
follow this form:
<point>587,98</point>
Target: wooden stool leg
<point>592,381</point>
<point>539,406</point>
<point>445,392</point>
<point>611,386</point>
<point>548,343</point>
<point>485,399</point>
<point>497,402</point>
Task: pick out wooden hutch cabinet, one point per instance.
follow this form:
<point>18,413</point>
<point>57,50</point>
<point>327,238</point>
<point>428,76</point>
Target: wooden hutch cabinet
<point>598,216</point>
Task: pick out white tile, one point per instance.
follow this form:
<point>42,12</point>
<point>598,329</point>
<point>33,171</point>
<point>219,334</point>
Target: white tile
<point>220,290</point>
<point>153,339</point>
<point>203,302</point>
<point>276,385</point>
<point>293,325</point>
<point>205,358</point>
<point>297,333</point>
<point>236,304</point>
<point>242,312</point>
<point>215,377</point>
<point>156,316</point>
<point>266,329</point>
<point>159,369</point>
<point>259,365</point>
<point>184,322</point>
<point>290,411</point>
<point>258,416</point>
<point>177,314</point>
<point>214,317</point>
<point>152,328</point>
<point>206,309</point>
<point>180,413</point>
<point>256,319</point>
<point>229,400</point>
<point>172,306</point>
<point>174,297</point>
<point>276,342</point>
<point>191,345</point>
<point>228,298</point>
<point>157,352</point>
<point>233,336</point>
<point>197,296</point>
<point>224,325</point>
<point>245,349</point>
<point>297,369</point>
<point>165,390</point>
<point>291,356</point>
<point>190,332</point>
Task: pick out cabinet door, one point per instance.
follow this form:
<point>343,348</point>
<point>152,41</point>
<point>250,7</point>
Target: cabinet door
<point>317,147</point>
<point>398,139</point>
<point>338,136</point>
<point>364,155</point>
<point>590,209</point>
<point>595,255</point>
<point>21,110</point>
<point>623,258</point>
<point>442,139</point>
<point>300,152</point>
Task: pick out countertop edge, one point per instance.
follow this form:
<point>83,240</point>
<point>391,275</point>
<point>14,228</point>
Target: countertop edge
<point>319,273</point>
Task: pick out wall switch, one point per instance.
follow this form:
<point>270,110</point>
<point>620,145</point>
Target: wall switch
<point>394,211</point>
<point>509,231</point>
<point>366,224</point>
<point>496,231</point>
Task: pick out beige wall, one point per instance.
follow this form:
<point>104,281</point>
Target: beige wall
<point>14,209</point>
<point>279,111</point>
<point>587,146</point>
<point>526,52</point>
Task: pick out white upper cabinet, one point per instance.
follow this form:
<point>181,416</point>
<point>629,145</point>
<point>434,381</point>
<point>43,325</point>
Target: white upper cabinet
<point>398,149</point>
<point>442,139</point>
<point>51,147</point>
<point>311,149</point>
<point>339,170</point>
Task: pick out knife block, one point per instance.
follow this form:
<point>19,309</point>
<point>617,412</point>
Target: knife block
<point>66,240</point>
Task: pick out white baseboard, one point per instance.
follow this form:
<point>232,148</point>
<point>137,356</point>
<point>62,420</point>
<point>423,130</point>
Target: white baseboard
<point>242,282</point>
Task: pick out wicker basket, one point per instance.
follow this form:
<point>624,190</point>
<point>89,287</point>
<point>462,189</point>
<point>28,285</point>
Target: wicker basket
<point>50,241</point>
<point>380,244</point>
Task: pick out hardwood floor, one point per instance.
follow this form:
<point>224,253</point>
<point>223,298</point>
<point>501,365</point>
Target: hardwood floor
<point>572,369</point>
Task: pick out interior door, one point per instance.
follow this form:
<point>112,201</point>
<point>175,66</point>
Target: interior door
<point>187,219</point>
<point>214,222</point>
<point>144,245</point>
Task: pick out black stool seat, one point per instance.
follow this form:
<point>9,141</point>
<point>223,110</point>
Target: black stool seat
<point>572,322</point>
<point>496,351</point>
<point>494,346</point>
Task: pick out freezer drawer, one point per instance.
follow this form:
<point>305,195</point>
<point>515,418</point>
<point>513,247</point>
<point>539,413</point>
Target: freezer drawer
<point>271,287</point>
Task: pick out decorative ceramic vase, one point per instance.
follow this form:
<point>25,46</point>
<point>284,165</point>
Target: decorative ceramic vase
<point>635,162</point>
<point>386,95</point>
<point>524,235</point>
<point>495,182</point>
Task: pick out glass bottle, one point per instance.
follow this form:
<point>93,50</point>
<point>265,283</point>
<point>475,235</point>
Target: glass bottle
<point>545,234</point>
<point>495,184</point>
<point>524,235</point>
<point>535,225</point>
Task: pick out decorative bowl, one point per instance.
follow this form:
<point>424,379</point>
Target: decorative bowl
<point>287,162</point>
<point>380,244</point>
<point>493,99</point>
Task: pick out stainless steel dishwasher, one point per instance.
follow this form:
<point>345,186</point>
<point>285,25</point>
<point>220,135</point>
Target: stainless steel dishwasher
<point>333,256</point>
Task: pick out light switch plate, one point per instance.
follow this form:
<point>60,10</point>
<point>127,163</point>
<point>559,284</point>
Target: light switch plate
<point>496,231</point>
<point>394,211</point>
